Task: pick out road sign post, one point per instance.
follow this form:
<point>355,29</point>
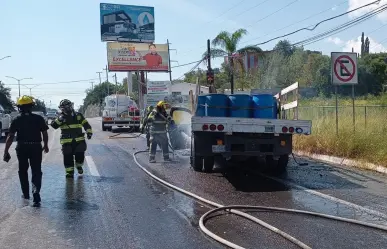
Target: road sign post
<point>344,72</point>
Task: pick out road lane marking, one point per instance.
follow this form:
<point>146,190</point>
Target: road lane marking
<point>92,167</point>
<point>328,197</point>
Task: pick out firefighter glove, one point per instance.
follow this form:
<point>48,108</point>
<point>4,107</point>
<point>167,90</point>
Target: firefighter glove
<point>61,118</point>
<point>6,157</point>
<point>89,135</point>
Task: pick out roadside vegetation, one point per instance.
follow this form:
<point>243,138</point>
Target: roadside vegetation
<point>367,141</point>
<point>286,64</point>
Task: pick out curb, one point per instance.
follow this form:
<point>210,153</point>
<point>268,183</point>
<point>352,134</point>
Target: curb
<point>343,161</point>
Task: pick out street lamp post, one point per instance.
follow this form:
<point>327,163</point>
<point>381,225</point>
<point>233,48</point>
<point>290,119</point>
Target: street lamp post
<point>18,81</point>
<point>31,88</point>
<point>5,57</point>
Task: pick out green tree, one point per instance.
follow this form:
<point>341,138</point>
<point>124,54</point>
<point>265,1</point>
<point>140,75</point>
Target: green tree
<point>5,98</point>
<point>39,106</point>
<point>227,44</point>
<point>285,48</point>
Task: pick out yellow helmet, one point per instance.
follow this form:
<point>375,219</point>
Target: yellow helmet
<point>162,104</point>
<point>25,100</point>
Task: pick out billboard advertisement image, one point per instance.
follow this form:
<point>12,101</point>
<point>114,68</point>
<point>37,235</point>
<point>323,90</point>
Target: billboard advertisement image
<point>127,23</point>
<point>158,87</point>
<point>123,57</point>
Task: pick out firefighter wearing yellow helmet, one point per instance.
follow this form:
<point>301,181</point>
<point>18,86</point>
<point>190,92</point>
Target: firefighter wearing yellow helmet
<point>158,120</point>
<point>29,128</point>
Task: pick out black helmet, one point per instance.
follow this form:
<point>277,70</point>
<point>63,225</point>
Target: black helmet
<point>66,106</point>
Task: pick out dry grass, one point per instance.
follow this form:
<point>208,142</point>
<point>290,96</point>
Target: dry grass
<point>368,142</point>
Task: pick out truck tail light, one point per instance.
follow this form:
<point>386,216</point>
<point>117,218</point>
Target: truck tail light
<point>205,127</point>
<point>291,129</point>
<point>220,127</point>
<point>212,127</point>
<point>284,129</point>
<point>107,119</point>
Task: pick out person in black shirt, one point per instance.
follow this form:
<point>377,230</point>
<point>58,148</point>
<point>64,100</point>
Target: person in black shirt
<point>29,128</point>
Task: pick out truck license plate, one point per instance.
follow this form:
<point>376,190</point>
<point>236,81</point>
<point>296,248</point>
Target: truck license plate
<point>218,148</point>
<point>269,128</point>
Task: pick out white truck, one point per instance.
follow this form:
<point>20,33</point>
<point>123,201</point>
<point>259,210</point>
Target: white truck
<point>120,110</point>
<point>238,139</point>
<point>5,122</point>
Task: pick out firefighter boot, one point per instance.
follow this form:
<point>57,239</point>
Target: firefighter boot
<point>152,159</point>
<point>36,200</point>
<point>69,172</point>
<point>79,168</point>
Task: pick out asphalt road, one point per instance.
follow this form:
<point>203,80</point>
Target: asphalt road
<point>116,205</point>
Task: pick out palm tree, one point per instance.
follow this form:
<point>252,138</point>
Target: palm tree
<point>228,45</point>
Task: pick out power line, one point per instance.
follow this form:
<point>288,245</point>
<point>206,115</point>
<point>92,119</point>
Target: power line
<point>246,10</point>
<point>342,27</point>
<point>317,24</point>
<point>263,18</point>
<point>224,12</point>
<point>290,25</point>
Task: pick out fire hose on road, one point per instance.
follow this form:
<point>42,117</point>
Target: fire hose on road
<point>234,209</point>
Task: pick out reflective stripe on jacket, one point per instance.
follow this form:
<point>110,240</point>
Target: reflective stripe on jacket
<point>72,128</point>
<point>157,123</point>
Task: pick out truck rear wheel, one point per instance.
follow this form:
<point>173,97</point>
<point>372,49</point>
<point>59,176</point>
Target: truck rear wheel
<point>208,163</point>
<point>197,163</point>
<point>103,127</point>
<point>277,167</point>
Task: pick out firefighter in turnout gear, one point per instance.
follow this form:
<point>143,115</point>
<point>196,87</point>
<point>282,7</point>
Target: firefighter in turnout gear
<point>30,128</point>
<point>72,137</point>
<point>145,126</point>
<point>158,121</point>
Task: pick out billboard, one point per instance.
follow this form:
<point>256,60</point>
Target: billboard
<point>127,23</point>
<point>158,87</point>
<point>173,100</point>
<point>123,57</point>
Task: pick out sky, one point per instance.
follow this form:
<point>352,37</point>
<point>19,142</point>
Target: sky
<point>59,41</point>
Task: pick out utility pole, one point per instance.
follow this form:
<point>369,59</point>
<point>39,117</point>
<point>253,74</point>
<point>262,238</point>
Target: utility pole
<point>115,79</point>
<point>210,72</point>
<point>99,75</point>
<point>169,61</point>
<point>107,80</point>
<point>92,85</point>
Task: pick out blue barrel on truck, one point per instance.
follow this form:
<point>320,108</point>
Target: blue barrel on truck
<point>200,111</point>
<point>218,105</point>
<point>240,106</point>
<point>264,106</point>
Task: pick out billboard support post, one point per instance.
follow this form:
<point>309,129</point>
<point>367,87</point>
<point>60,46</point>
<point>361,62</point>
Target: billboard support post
<point>169,62</point>
<point>107,80</point>
<point>130,83</point>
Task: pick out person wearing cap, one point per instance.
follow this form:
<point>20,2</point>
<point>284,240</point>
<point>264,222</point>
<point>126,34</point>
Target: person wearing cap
<point>158,120</point>
<point>30,128</point>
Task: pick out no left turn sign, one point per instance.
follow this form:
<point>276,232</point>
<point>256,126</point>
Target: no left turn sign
<point>344,68</point>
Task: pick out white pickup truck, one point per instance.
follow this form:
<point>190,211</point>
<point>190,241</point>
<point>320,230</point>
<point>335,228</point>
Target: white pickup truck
<point>238,139</point>
<point>5,120</point>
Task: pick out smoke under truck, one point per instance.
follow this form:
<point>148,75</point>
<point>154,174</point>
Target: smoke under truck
<point>121,111</point>
<point>238,139</point>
